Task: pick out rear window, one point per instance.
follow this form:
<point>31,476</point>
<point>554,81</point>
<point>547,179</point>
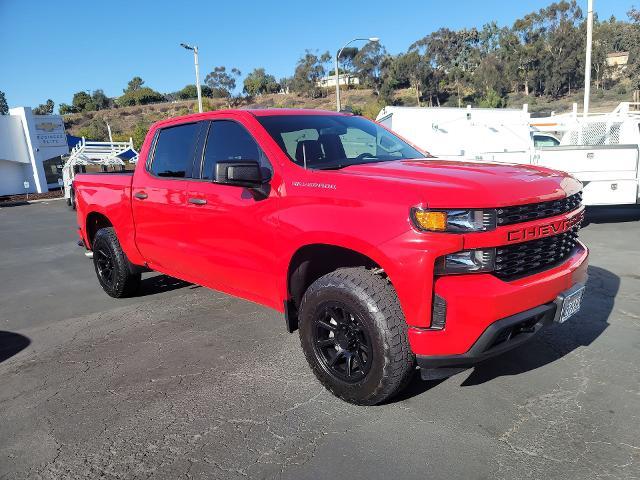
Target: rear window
<point>175,147</point>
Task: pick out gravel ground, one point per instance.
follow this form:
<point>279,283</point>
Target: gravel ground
<point>184,382</point>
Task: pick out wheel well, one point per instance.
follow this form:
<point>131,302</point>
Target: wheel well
<point>313,261</point>
<point>96,221</point>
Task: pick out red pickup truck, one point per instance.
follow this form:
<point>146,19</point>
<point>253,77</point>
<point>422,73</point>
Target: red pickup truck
<point>384,258</point>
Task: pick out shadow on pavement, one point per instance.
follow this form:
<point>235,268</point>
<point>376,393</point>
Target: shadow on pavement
<point>11,343</point>
<point>607,214</point>
<point>558,340</point>
<point>161,283</point>
<point>13,204</point>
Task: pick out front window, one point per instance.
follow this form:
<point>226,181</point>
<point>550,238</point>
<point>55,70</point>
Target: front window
<point>335,141</point>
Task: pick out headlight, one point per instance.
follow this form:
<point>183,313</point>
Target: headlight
<point>455,221</point>
<point>467,261</point>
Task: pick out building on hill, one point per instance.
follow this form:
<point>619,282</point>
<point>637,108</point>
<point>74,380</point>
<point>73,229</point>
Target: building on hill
<point>31,147</point>
<point>617,61</point>
<point>330,81</point>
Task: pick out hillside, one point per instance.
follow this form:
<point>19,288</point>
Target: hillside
<point>134,121</point>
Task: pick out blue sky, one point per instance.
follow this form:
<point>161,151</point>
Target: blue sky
<point>51,49</point>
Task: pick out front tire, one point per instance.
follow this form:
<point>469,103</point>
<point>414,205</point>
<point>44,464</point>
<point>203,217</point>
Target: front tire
<point>354,336</point>
<point>112,265</point>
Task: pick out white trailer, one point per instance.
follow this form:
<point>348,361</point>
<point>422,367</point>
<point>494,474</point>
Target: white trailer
<point>600,150</point>
<point>104,154</point>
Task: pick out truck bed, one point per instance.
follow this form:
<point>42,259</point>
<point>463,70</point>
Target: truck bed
<point>108,193</point>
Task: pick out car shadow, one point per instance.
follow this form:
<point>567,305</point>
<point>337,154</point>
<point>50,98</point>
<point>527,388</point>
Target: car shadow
<point>558,340</point>
<point>616,214</point>
<point>11,343</point>
<point>161,283</point>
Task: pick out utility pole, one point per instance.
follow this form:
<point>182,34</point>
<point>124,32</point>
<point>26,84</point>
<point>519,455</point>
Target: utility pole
<point>370,39</point>
<point>195,60</point>
<point>587,63</point>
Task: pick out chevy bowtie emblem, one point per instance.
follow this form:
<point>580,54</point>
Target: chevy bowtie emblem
<point>47,126</point>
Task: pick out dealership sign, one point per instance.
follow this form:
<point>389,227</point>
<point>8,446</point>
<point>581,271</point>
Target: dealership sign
<point>50,132</point>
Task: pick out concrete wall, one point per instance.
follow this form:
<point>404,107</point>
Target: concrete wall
<point>12,177</point>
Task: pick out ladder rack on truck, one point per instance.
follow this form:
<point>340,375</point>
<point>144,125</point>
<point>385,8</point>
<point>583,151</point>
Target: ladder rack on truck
<point>88,152</point>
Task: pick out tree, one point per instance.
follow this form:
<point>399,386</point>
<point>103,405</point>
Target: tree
<point>134,84</point>
<point>44,108</point>
<point>141,96</point>
<point>489,78</point>
<point>96,130</point>
<point>4,106</point>
<point>369,63</point>
<point>259,82</point>
<point>100,100</point>
<point>285,84</point>
<point>222,83</point>
<point>633,65</point>
<point>190,92</point>
<point>82,102</point>
<point>65,109</point>
<point>309,70</point>
<point>136,94</point>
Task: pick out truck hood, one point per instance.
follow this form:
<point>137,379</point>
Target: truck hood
<point>455,184</point>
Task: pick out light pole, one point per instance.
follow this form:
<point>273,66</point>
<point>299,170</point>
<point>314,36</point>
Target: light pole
<point>587,63</point>
<point>195,60</point>
<point>370,39</point>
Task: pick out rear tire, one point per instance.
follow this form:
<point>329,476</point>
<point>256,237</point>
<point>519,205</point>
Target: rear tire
<point>354,336</point>
<point>112,265</point>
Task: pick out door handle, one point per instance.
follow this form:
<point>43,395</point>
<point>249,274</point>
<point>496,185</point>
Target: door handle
<point>198,201</point>
<point>140,195</point>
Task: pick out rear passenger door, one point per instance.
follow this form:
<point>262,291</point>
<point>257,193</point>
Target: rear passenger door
<point>231,227</point>
<point>159,197</point>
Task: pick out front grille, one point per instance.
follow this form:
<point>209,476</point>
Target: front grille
<point>534,211</point>
<point>527,258</point>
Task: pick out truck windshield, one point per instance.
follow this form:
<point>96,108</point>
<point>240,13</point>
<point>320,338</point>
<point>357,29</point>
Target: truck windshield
<point>326,142</point>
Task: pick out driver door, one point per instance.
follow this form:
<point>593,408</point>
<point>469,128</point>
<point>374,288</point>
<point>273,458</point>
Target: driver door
<point>231,227</point>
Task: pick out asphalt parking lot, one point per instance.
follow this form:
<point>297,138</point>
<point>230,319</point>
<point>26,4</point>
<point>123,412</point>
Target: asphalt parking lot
<point>184,382</point>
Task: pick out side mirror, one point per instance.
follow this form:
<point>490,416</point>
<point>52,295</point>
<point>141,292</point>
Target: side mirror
<point>244,174</point>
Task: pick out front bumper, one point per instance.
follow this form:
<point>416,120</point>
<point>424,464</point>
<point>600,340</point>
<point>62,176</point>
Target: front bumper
<point>481,307</point>
<point>498,338</point>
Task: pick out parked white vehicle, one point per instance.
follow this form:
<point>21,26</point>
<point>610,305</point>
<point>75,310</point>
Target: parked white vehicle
<point>87,152</point>
<point>480,134</point>
<point>600,150</point>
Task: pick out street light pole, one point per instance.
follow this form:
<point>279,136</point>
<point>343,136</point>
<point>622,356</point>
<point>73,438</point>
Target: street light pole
<point>195,60</point>
<point>587,63</point>
<point>370,39</point>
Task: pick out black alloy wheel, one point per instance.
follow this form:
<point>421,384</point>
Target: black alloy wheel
<point>341,343</point>
<point>104,266</point>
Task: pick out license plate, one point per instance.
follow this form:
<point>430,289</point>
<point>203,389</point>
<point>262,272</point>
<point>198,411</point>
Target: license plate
<point>569,303</point>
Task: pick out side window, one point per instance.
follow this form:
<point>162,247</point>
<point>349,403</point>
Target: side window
<point>228,141</point>
<point>291,139</point>
<point>173,155</point>
<point>357,142</point>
